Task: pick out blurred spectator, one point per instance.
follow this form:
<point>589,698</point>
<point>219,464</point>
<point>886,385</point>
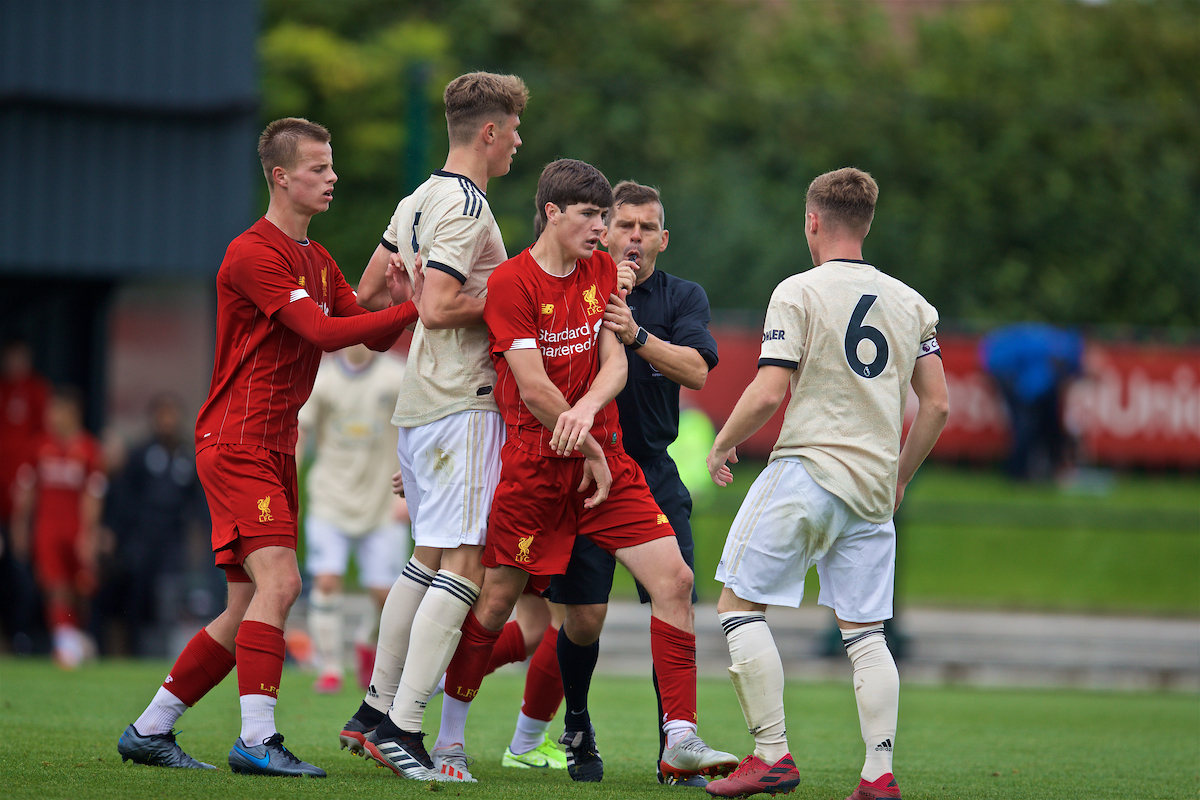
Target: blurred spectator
<point>349,502</point>
<point>1031,363</point>
<point>23,395</point>
<point>60,494</point>
<point>155,510</point>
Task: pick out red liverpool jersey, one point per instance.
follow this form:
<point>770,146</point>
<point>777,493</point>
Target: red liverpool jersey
<point>561,316</point>
<point>64,471</point>
<point>262,370</point>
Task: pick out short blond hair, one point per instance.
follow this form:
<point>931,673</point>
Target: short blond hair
<point>846,197</point>
<point>479,97</point>
<point>279,143</point>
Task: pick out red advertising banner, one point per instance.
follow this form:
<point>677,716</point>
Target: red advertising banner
<point>1139,405</point>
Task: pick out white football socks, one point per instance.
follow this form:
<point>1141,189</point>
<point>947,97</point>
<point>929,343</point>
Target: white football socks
<point>877,692</point>
<point>453,728</point>
<point>258,718</point>
<point>530,733</point>
<point>757,675</point>
<point>160,716</point>
<point>395,626</point>
<point>677,730</point>
<point>325,625</point>
<point>436,630</point>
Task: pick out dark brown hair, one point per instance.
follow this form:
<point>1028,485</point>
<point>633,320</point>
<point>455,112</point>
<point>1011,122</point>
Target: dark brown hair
<point>567,181</point>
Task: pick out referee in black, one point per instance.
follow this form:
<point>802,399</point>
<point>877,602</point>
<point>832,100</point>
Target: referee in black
<point>663,323</point>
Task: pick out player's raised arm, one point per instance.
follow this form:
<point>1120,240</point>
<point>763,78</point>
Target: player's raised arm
<point>307,319</point>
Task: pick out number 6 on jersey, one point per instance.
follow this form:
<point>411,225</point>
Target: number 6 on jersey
<point>856,332</point>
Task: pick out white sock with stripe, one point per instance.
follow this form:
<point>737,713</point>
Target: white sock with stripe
<point>395,626</point>
<point>877,692</point>
<point>436,630</point>
<point>757,675</point>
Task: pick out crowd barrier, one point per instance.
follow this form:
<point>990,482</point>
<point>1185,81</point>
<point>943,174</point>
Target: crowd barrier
<point>1139,406</point>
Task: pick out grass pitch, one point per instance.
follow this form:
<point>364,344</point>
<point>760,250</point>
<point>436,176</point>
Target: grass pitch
<point>1129,544</point>
<point>59,732</point>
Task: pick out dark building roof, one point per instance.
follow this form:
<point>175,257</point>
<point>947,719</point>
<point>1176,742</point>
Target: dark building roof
<point>129,131</point>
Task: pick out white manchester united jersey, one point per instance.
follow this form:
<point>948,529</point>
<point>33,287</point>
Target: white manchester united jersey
<point>853,335</point>
<point>448,221</point>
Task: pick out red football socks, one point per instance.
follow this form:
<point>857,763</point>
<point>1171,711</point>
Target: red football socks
<point>260,651</point>
<point>510,647</point>
<point>201,666</point>
<point>471,659</point>
<point>674,654</point>
<point>543,682</point>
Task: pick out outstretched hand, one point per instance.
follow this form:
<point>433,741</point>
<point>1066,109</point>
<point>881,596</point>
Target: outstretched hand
<point>718,465</point>
<point>400,285</point>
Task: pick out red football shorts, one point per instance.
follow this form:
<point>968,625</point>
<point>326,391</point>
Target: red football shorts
<point>537,511</point>
<point>56,560</point>
<point>253,499</point>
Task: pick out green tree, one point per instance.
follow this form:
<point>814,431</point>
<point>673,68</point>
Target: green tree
<point>1037,159</point>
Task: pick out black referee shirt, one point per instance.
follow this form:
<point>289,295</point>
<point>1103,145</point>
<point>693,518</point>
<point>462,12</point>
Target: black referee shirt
<point>675,311</point>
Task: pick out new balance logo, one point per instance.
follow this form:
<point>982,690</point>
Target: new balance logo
<point>662,519</point>
<point>886,744</point>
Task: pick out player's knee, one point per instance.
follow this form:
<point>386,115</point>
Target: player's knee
<point>281,590</point>
<point>685,579</point>
<point>584,623</point>
<point>492,609</point>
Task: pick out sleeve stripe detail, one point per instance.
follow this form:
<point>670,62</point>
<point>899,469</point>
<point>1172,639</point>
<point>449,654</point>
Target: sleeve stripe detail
<point>297,294</point>
<point>474,204</point>
<point>778,362</point>
<point>451,271</point>
<point>523,344</point>
<point>388,245</point>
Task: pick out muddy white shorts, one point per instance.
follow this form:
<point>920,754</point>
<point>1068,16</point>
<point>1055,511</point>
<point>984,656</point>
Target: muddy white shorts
<point>451,467</point>
<point>786,524</point>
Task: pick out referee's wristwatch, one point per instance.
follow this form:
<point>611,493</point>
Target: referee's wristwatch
<point>639,338</point>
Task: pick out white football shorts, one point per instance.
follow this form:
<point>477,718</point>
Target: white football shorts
<point>380,553</point>
<point>786,524</point>
<point>451,467</point>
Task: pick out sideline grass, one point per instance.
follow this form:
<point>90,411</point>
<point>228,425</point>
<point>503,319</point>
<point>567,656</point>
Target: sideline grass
<point>59,731</point>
